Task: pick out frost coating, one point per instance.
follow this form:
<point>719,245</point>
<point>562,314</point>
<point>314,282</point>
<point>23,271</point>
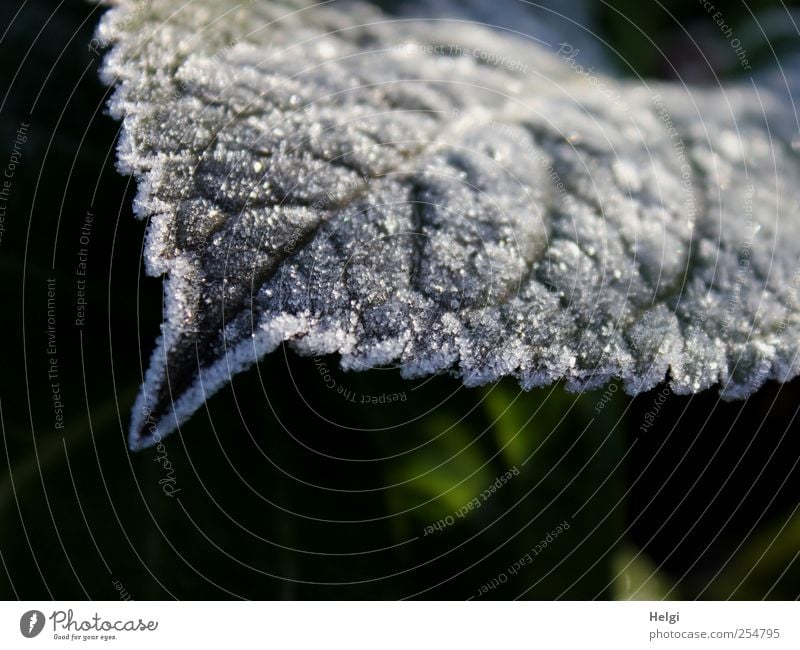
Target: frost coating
<point>370,186</point>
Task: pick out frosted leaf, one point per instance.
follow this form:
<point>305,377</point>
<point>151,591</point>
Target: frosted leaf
<point>448,198</point>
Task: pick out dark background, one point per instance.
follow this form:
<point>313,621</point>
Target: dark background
<point>286,489</point>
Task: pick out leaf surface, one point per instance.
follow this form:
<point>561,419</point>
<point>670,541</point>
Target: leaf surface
<point>445,197</point>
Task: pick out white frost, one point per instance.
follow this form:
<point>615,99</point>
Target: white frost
<point>448,197</point>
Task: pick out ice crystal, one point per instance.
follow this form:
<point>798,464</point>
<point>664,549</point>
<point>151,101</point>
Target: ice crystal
<point>449,197</point>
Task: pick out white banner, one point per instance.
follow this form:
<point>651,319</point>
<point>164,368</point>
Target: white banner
<point>400,626</point>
